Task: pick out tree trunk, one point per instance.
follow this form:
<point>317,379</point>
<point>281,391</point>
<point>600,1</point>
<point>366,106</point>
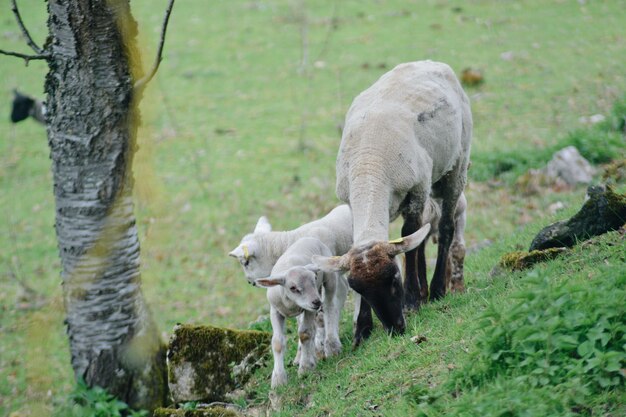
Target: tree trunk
<point>92,126</point>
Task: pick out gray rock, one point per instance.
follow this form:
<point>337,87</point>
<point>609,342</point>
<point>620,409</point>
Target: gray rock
<point>205,363</point>
<point>568,165</point>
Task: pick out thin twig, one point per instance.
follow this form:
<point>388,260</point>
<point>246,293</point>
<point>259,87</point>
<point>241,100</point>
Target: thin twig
<point>25,57</point>
<point>145,80</point>
<point>20,22</point>
<point>333,20</point>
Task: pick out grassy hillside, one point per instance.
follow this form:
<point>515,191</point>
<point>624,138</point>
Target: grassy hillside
<point>543,342</point>
<point>237,124</point>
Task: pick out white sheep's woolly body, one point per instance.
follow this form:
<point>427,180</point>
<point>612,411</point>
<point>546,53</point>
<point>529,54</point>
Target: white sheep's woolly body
<point>334,230</point>
<point>406,129</point>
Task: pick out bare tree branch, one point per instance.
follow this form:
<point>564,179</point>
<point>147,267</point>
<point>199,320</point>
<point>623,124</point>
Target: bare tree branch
<point>331,28</point>
<point>25,57</point>
<point>145,80</point>
<point>29,39</point>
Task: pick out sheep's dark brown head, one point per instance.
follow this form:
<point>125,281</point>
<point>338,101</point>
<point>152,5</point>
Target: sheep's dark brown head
<point>22,107</point>
<point>373,272</point>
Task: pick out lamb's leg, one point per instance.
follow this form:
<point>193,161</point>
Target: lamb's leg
<point>320,335</point>
<point>306,334</point>
<point>412,223</point>
<point>362,320</point>
<point>279,376</point>
<point>296,360</point>
<point>335,291</point>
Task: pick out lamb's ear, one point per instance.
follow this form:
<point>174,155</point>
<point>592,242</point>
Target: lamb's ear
<point>409,242</point>
<point>270,281</point>
<point>331,263</point>
<point>237,252</point>
<point>263,225</point>
<point>244,250</point>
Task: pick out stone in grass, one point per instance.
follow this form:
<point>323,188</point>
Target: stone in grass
<point>206,412</point>
<point>205,362</point>
<point>518,261</point>
<point>604,211</point>
<point>568,165</point>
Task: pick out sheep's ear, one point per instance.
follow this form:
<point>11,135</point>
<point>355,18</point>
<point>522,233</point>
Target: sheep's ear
<point>263,225</point>
<point>270,281</point>
<point>330,263</point>
<point>409,242</point>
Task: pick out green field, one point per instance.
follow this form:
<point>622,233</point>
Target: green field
<point>237,124</point>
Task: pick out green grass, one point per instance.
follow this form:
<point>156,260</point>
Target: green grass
<point>225,121</point>
<point>547,341</point>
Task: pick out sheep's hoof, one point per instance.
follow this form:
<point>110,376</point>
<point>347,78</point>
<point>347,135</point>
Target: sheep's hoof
<point>278,378</point>
<point>333,348</point>
<point>361,336</point>
<point>306,366</point>
<point>436,294</point>
<point>411,307</point>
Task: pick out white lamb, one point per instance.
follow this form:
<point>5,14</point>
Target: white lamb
<point>406,138</point>
<point>294,289</point>
<point>258,252</point>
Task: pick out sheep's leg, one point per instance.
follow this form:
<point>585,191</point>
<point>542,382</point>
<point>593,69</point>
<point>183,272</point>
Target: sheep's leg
<point>457,248</point>
<point>449,188</point>
<point>306,334</point>
<point>335,292</point>
<point>279,376</point>
<point>422,279</point>
<point>362,320</point>
<point>415,259</point>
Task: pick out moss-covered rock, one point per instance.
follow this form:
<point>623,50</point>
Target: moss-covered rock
<point>517,261</point>
<point>615,171</point>
<point>604,211</point>
<point>205,412</point>
<point>205,362</point>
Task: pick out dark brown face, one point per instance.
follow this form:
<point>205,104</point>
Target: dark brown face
<point>374,274</point>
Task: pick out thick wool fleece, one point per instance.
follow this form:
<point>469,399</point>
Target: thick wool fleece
<point>401,135</point>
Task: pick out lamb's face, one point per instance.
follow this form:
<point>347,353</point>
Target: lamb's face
<point>254,265</point>
<point>299,285</point>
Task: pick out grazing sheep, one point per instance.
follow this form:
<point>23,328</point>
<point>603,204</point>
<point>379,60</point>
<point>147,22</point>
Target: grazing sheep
<point>25,106</point>
<point>405,138</point>
<point>294,288</point>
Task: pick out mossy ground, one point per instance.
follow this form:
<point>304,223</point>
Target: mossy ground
<point>210,412</point>
<point>518,261</point>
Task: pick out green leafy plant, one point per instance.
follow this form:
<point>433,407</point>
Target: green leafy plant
<point>554,333</point>
<point>94,402</point>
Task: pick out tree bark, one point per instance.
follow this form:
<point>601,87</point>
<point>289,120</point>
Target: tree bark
<point>92,126</point>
